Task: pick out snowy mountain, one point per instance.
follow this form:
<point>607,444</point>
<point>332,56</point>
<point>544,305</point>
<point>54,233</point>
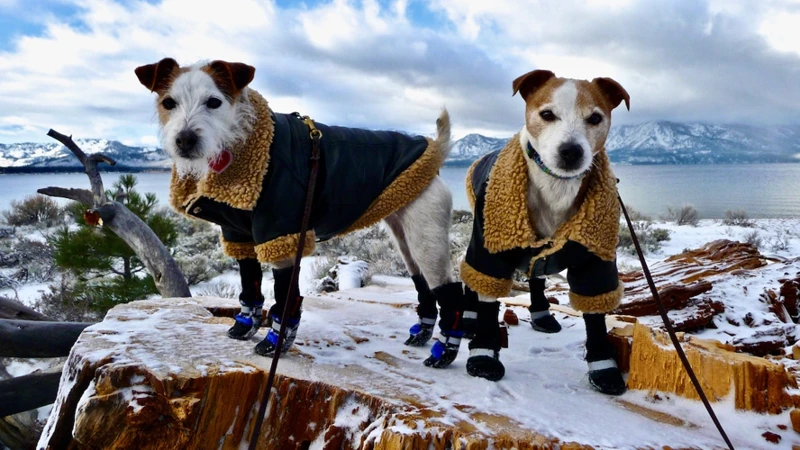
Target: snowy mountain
<point>473,146</point>
<point>54,156</point>
<point>673,143</point>
<point>648,143</point>
<point>681,143</point>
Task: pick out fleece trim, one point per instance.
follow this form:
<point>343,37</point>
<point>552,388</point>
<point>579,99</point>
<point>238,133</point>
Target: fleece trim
<point>238,186</point>
<point>484,284</point>
<point>238,250</point>
<point>284,247</point>
<point>597,304</point>
<point>405,188</point>
<point>470,188</point>
<point>507,224</point>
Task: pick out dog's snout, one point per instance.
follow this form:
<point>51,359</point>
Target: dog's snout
<point>570,155</point>
<point>186,141</point>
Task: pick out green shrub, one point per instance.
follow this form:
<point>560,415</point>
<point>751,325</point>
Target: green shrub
<point>36,210</point>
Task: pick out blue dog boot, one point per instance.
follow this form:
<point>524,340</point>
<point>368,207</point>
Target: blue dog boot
<point>270,343</point>
<point>248,321</point>
<point>444,350</point>
<point>421,332</point>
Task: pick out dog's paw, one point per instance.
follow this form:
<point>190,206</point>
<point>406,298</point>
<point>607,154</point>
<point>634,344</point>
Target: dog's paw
<point>546,324</point>
<point>420,334</point>
<point>606,377</point>
<point>485,363</point>
<point>442,355</point>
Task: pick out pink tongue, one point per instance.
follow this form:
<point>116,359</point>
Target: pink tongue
<point>222,161</point>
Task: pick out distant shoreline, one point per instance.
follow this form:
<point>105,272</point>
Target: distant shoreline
<point>453,163</point>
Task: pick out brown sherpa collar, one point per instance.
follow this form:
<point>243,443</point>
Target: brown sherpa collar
<point>240,184</point>
<point>508,225</point>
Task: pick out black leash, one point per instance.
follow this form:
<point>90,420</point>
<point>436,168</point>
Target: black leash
<point>291,297</point>
<point>671,331</point>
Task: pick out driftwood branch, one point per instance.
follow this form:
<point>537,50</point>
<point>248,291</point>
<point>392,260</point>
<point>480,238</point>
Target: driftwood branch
<point>130,228</point>
<point>31,339</point>
<point>28,392</point>
<point>89,164</point>
<point>12,309</point>
<point>79,195</point>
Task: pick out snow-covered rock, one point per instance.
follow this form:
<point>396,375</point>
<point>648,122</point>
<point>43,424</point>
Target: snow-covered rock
<point>160,374</point>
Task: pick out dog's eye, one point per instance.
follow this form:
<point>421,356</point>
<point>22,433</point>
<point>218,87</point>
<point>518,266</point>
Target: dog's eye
<point>214,103</point>
<point>169,103</point>
<point>594,119</point>
<point>547,115</point>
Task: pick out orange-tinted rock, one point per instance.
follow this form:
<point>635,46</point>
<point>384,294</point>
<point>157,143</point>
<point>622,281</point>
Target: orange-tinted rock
<point>794,416</point>
<point>510,318</point>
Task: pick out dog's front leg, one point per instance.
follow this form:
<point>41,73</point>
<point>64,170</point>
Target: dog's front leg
<point>248,321</point>
<point>603,372</point>
<point>284,289</point>
<point>484,349</point>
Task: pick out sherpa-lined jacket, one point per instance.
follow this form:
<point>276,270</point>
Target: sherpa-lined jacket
<point>504,238</point>
<point>258,200</point>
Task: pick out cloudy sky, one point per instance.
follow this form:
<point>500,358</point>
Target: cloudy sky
<point>68,64</point>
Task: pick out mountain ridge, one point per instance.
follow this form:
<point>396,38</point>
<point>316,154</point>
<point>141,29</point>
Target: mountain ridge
<point>656,142</point>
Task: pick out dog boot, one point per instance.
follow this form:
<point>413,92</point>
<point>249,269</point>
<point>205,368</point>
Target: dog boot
<point>445,349</point>
<point>484,350</point>
<point>604,375</point>
<point>268,346</point>
<point>541,319</point>
<point>248,321</point>
<point>422,331</point>
<point>469,319</point>
<point>282,285</point>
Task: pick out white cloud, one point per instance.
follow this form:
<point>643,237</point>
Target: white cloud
<point>359,63</point>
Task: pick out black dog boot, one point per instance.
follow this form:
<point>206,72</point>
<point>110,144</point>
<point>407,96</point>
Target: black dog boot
<point>484,350</point>
<point>445,349</point>
<point>541,319</point>
<point>282,286</point>
<point>248,321</point>
<point>422,331</point>
<point>469,319</point>
<point>604,375</point>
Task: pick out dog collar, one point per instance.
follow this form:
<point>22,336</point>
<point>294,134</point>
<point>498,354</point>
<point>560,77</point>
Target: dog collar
<point>534,155</point>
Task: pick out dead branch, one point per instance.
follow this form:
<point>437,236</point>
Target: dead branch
<point>130,228</point>
<point>28,392</point>
<point>82,196</point>
<point>33,339</point>
<point>11,309</point>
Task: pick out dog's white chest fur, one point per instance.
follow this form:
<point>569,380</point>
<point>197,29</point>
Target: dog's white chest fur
<point>551,201</point>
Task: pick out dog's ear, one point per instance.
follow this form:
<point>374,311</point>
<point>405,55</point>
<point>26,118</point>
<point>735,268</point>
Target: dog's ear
<point>530,82</point>
<point>231,77</point>
<point>613,91</point>
<point>155,76</point>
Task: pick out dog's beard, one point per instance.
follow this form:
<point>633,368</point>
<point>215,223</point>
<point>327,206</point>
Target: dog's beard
<point>193,168</point>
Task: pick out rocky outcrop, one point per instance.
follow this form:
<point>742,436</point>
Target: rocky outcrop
<point>756,384</point>
<point>160,375</point>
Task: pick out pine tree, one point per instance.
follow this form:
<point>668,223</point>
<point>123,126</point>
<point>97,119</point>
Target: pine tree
<point>107,270</point>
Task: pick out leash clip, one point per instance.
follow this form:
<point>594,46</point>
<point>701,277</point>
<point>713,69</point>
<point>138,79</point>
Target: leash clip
<point>314,132</point>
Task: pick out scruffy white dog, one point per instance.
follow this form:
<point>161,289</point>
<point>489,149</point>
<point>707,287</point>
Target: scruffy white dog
<point>246,168</point>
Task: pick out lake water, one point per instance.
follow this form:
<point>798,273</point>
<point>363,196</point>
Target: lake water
<point>763,190</point>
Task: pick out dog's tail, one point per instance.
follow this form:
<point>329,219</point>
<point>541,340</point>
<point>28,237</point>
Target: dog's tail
<point>443,132</point>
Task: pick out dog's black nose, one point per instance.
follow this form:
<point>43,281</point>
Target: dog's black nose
<point>570,156</point>
<point>186,140</point>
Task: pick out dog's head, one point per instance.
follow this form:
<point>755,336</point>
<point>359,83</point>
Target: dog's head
<point>202,109</point>
<point>567,121</point>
